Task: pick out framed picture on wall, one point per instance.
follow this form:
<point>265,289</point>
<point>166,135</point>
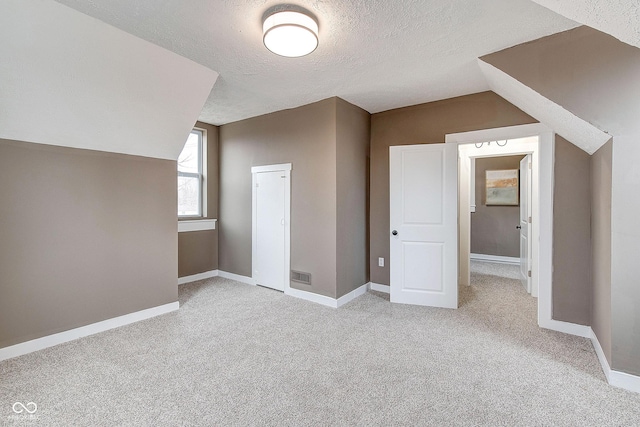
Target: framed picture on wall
<point>502,188</point>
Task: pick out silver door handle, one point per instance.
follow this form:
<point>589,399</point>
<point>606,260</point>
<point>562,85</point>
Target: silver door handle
<point>394,232</point>
<point>519,227</point>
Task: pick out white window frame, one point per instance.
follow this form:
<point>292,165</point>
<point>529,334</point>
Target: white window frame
<point>200,175</point>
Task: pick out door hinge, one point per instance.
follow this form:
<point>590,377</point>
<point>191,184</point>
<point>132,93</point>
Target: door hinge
<point>529,165</point>
<point>257,185</point>
<point>529,273</point>
<point>529,220</point>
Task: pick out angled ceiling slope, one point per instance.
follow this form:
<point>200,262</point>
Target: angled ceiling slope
<point>572,81</point>
<point>571,127</point>
<point>621,19</point>
<point>89,85</point>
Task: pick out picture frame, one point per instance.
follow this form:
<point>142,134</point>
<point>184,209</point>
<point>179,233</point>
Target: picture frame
<point>502,187</point>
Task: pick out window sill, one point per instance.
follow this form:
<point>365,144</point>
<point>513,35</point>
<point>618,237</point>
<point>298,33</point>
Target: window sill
<point>196,225</point>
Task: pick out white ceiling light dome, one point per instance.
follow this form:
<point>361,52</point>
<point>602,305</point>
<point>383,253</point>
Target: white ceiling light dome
<point>291,34</point>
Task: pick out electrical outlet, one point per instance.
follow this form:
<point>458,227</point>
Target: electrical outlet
<point>380,262</point>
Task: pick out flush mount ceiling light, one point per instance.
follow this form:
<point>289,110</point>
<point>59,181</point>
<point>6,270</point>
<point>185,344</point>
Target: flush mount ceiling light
<point>290,33</point>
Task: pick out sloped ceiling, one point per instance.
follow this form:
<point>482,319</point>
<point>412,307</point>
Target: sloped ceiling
<point>377,54</point>
<point>619,18</point>
<point>74,81</point>
<point>584,72</point>
<point>571,127</point>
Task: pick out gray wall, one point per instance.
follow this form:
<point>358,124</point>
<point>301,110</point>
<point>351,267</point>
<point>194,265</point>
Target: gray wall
<point>352,159</point>
<point>306,137</point>
<point>198,250</point>
<point>493,228</point>
<point>595,76</point>
<point>86,236</point>
<point>423,124</point>
<point>601,246</point>
<point>571,234</point>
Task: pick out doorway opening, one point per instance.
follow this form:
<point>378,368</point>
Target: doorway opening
<point>501,214</point>
<point>501,217</point>
<point>500,220</point>
<point>542,141</point>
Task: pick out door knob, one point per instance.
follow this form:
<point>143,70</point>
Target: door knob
<point>394,232</point>
<point>519,227</point>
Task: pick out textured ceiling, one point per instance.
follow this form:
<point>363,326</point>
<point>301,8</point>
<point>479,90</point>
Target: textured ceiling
<point>376,54</point>
<point>619,18</point>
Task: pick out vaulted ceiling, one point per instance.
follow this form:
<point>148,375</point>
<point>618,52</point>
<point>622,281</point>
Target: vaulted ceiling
<point>376,54</point>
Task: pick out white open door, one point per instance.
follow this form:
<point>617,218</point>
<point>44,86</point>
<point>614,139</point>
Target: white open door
<point>525,222</point>
<point>424,224</point>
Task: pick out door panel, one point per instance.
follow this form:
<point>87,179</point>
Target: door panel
<point>525,225</point>
<point>270,230</point>
<point>422,266</point>
<point>422,207</point>
<point>423,212</point>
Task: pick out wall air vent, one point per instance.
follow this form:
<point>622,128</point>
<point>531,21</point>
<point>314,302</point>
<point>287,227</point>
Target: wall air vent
<point>300,277</point>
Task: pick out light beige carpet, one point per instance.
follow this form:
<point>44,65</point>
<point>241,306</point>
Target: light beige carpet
<point>240,355</point>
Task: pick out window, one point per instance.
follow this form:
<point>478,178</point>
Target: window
<point>190,177</point>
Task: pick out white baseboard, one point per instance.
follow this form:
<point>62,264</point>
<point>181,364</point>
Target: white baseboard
<point>217,273</point>
<point>327,301</point>
<point>379,288</point>
<point>361,290</point>
<point>567,328</point>
<point>495,258</point>
<point>615,378</point>
<point>83,331</point>
<point>199,276</point>
<point>297,293</point>
<point>312,297</point>
<point>237,277</point>
<point>601,357</point>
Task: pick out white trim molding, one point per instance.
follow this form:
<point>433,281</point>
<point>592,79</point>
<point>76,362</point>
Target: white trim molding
<point>196,277</point>
<point>196,225</point>
<point>311,297</point>
<point>495,258</point>
<point>84,331</point>
<point>379,288</point>
<point>614,378</point>
<point>566,327</point>
<point>238,278</point>
<point>271,168</point>
<point>217,273</point>
<point>361,290</point>
<point>325,300</point>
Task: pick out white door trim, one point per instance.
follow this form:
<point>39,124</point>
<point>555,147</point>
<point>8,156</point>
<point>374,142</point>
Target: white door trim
<point>543,244</point>
<point>526,145</point>
<point>285,168</point>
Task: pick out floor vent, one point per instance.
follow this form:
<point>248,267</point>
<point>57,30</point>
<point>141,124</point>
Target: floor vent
<point>300,277</point>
